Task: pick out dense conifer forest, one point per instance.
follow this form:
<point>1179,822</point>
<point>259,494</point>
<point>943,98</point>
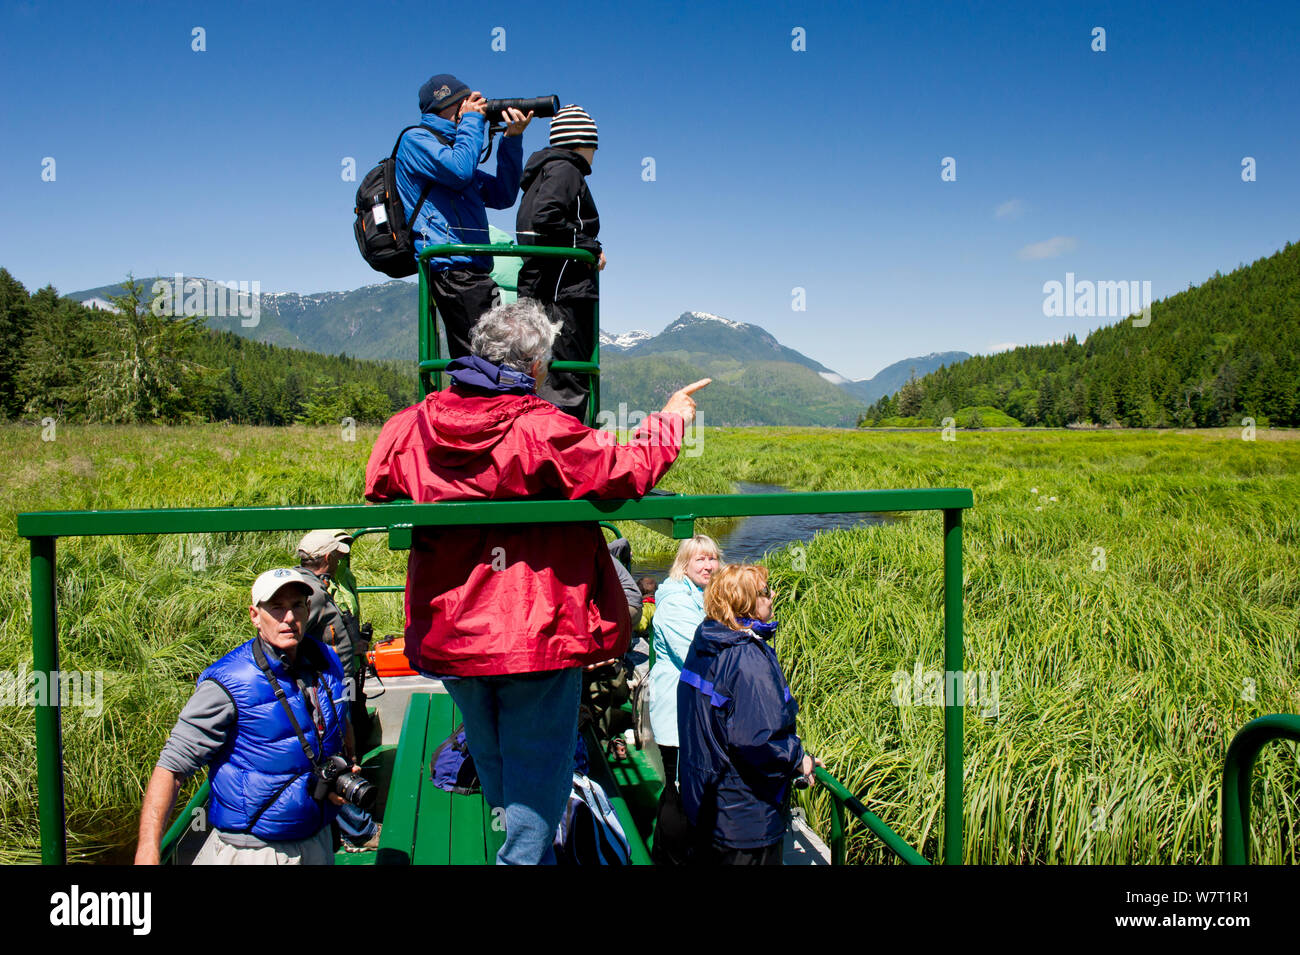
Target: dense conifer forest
<point>61,359</point>
<point>1210,356</point>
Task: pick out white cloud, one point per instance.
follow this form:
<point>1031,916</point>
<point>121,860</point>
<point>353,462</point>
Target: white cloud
<point>1012,208</point>
<point>1057,245</point>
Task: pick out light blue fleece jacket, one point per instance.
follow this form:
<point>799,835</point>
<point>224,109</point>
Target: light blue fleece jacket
<point>679,611</point>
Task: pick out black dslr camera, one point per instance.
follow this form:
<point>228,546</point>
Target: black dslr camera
<point>334,776</point>
<point>494,109</point>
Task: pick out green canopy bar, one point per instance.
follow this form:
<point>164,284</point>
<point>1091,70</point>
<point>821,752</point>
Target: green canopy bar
<point>670,507</point>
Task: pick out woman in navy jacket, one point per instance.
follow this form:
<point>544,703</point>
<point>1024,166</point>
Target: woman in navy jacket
<point>736,721</point>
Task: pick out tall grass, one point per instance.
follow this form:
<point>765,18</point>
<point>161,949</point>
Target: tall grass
<point>1119,689</point>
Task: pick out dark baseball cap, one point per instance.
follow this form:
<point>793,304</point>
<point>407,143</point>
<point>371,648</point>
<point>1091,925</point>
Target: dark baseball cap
<point>441,91</point>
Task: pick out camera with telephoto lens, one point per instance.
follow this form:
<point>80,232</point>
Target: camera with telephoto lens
<point>334,776</point>
<point>494,109</point>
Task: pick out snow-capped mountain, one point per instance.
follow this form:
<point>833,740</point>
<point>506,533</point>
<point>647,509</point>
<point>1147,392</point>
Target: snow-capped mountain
<point>624,340</point>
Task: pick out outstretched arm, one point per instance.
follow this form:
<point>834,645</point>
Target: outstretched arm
<point>590,463</point>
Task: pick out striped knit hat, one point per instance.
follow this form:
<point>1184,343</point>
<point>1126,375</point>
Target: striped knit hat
<point>571,127</point>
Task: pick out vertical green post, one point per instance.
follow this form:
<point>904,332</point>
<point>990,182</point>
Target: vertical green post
<point>593,380</point>
<point>1236,809</point>
<point>837,830</point>
<point>49,732</point>
<point>424,328</point>
<point>954,667</point>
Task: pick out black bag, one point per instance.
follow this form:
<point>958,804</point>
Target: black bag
<point>383,232</point>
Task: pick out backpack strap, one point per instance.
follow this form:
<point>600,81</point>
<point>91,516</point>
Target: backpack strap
<point>425,194</point>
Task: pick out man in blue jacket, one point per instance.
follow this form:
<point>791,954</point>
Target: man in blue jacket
<point>443,158</point>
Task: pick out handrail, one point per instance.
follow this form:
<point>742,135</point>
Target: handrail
<point>431,364</point>
<point>678,512</point>
<point>841,799</point>
<point>172,840</point>
<point>1237,769</point>
<point>671,507</point>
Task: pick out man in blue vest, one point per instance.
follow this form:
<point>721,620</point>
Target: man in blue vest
<point>261,718</point>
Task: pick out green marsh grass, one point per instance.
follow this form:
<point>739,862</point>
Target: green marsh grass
<point>1118,690</point>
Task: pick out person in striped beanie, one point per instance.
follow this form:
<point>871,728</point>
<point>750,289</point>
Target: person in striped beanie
<point>557,210</point>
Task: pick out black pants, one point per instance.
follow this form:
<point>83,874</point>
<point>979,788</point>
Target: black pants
<point>567,390</point>
<point>462,296</point>
<point>672,829</point>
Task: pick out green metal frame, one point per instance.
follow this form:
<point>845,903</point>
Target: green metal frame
<point>672,513</point>
<point>1237,770</point>
<point>432,364</point>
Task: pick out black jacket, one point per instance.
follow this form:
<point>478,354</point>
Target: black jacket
<point>557,209</point>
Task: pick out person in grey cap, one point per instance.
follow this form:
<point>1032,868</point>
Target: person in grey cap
<point>319,556</point>
<point>557,209</point>
<point>439,163</point>
<point>260,718</point>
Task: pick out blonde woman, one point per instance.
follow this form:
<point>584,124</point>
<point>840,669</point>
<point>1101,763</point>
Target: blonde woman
<point>679,611</point>
<point>739,750</point>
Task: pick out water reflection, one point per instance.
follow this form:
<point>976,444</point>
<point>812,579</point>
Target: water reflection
<point>752,537</point>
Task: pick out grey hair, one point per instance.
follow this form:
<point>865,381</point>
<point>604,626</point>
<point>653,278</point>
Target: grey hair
<point>517,335</point>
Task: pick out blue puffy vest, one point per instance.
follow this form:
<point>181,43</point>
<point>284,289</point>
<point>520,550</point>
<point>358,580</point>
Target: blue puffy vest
<point>261,778</point>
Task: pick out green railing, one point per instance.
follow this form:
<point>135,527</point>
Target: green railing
<point>1237,769</point>
<point>432,364</point>
<point>171,842</point>
<point>674,514</point>
<point>842,799</point>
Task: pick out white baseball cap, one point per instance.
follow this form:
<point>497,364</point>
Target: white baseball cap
<point>269,584</point>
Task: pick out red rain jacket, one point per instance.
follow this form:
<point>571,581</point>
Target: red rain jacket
<point>501,599</point>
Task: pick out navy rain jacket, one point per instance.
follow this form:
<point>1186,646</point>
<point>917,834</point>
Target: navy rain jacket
<point>739,750</point>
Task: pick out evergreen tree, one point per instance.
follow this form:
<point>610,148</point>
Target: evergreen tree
<point>141,370</point>
<point>910,397</point>
<point>15,326</point>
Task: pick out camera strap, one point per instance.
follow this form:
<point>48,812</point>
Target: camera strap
<point>260,656</point>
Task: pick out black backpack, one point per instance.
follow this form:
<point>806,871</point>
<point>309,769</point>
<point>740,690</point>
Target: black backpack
<point>383,232</point>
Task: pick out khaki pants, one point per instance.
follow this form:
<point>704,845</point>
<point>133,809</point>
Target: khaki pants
<point>314,851</point>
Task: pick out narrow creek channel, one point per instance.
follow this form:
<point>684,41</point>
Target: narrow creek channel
<point>752,537</point>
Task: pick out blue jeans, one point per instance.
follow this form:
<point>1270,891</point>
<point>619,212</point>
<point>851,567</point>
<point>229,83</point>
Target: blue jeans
<point>522,731</point>
<point>355,823</point>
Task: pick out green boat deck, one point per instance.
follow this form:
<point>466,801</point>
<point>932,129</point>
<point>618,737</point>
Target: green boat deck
<point>425,825</point>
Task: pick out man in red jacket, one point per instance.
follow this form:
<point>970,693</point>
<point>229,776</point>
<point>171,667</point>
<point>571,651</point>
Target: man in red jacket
<point>508,615</point>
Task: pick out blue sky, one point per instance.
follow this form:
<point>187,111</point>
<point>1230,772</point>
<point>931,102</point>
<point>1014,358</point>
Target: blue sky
<point>775,169</point>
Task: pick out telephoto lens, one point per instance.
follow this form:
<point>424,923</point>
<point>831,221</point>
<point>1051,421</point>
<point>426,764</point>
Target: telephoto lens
<point>494,109</point>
